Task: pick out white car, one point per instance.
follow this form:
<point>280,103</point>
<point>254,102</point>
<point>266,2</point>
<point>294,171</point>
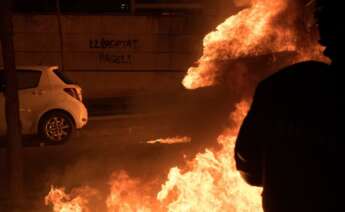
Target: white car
<point>50,104</point>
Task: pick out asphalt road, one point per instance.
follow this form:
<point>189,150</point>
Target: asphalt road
<point>105,145</point>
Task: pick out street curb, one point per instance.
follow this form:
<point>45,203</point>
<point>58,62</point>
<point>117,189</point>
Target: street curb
<point>123,116</point>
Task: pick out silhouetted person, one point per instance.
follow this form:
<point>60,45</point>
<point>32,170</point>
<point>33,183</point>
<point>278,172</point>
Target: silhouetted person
<point>289,142</point>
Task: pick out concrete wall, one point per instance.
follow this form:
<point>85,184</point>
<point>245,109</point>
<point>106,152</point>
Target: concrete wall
<point>114,55</point>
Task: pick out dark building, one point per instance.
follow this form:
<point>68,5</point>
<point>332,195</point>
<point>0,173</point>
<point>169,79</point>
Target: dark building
<point>115,48</point>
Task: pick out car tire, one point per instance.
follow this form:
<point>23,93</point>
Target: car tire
<point>56,127</point>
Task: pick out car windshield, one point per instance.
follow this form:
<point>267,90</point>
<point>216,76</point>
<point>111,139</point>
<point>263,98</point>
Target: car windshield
<point>63,77</point>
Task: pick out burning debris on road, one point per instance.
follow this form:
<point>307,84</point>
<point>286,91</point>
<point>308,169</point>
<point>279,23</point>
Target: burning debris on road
<point>210,182</point>
<point>174,140</point>
<point>76,201</point>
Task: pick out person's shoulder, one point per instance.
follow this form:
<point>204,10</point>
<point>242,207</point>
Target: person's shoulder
<point>296,73</point>
<point>307,66</point>
<point>303,69</point>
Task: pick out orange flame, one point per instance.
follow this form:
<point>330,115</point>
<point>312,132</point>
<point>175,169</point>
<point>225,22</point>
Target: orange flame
<point>126,195</point>
<point>173,140</point>
<point>75,202</point>
<point>252,31</point>
<point>212,182</point>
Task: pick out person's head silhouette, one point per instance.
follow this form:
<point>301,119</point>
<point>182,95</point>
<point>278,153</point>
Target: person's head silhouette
<point>331,27</point>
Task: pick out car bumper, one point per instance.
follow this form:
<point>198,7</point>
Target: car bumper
<point>82,118</point>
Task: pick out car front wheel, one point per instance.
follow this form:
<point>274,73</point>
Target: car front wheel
<point>56,127</point>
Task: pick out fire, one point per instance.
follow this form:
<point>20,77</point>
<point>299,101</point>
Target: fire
<point>212,182</point>
<point>173,140</point>
<point>77,201</point>
<point>125,195</point>
<point>253,31</point>
<point>247,33</point>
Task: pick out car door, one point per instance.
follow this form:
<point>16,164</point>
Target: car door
<point>31,98</point>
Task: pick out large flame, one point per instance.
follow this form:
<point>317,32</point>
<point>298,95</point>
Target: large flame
<point>253,31</point>
<point>210,182</point>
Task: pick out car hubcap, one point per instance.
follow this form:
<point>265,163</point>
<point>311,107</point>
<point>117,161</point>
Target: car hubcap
<point>57,128</point>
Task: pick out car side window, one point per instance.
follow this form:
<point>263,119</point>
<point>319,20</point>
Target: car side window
<point>28,79</point>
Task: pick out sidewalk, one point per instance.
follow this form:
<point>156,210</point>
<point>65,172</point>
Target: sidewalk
<point>133,105</point>
<point>108,106</point>
<point>207,98</point>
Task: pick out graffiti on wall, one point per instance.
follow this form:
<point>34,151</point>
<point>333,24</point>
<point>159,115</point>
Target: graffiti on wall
<point>102,43</point>
<point>111,57</point>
